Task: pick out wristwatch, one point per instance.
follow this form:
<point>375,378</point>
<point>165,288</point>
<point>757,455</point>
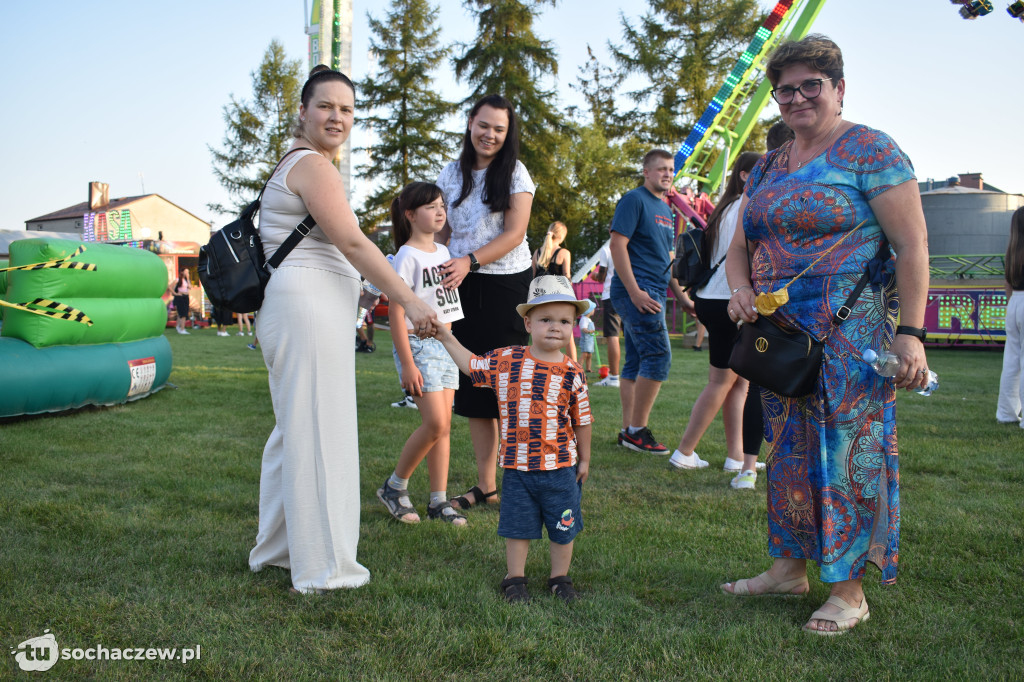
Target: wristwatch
<point>474,264</point>
<point>919,332</point>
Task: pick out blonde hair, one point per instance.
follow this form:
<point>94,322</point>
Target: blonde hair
<point>547,249</point>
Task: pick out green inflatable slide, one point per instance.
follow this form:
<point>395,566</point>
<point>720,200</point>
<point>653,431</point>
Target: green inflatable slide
<point>82,325</point>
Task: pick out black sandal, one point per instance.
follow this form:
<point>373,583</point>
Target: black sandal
<point>515,590</point>
<point>478,498</point>
<point>561,586</point>
<point>438,512</point>
<point>391,498</point>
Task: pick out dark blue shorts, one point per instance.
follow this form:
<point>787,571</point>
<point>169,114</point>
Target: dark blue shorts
<point>532,499</point>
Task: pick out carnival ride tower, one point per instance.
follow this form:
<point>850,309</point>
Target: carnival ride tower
<point>730,117</point>
<point>329,29</point>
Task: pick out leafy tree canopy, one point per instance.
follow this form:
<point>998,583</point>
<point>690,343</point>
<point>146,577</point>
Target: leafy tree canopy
<point>258,131</point>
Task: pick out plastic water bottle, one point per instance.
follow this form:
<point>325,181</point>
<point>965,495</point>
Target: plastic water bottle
<point>369,297</point>
<point>886,364</point>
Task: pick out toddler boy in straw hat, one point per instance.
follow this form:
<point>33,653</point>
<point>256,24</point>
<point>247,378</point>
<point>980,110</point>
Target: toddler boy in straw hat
<point>544,429</point>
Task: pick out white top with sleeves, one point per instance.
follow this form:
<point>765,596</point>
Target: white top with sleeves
<point>718,286</point>
<point>422,272</point>
<point>474,224</point>
<point>283,209</point>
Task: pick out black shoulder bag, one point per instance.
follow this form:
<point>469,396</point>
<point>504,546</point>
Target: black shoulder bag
<point>789,362</point>
<point>232,267</point>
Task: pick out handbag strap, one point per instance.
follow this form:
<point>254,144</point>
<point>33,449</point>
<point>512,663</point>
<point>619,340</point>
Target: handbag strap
<point>844,310</point>
<point>293,239</point>
<point>296,235</point>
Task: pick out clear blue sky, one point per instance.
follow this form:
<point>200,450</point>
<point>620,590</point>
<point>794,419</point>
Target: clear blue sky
<point>110,89</point>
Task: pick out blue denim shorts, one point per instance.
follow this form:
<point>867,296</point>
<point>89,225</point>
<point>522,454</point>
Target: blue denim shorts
<point>531,500</point>
<point>647,352</point>
<point>432,360</point>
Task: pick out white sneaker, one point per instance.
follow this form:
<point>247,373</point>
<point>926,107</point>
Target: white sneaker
<point>609,381</point>
<point>732,465</point>
<point>691,461</point>
<point>241,333</point>
<point>744,480</point>
<point>182,331</point>
<point>223,334</point>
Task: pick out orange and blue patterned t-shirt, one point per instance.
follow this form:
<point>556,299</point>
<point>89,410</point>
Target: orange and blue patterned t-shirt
<point>539,404</point>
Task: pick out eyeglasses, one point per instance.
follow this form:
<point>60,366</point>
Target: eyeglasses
<point>809,89</point>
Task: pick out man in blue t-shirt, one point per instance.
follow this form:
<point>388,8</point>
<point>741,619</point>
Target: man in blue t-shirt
<point>641,244</point>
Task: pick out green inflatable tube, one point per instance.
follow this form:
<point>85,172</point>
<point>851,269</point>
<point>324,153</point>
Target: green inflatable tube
<point>121,271</point>
<point>37,380</point>
<point>115,320</point>
<point>3,277</point>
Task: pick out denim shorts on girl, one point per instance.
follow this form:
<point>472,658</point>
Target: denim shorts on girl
<point>432,360</point>
<point>534,499</point>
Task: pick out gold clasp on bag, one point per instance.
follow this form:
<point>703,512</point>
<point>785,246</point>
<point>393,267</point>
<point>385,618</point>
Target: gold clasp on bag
<point>761,344</point>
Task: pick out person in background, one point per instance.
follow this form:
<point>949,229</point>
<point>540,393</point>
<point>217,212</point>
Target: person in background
<point>551,258</point>
<point>778,135</point>
<point>587,334</point>
<point>833,463</point>
<point>489,195</point>
<point>725,390</point>
<point>1011,381</point>
<point>611,323</point>
<point>243,322</point>
<point>180,290</point>
<point>641,243</point>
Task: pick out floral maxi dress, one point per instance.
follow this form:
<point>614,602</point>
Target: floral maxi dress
<point>833,467</point>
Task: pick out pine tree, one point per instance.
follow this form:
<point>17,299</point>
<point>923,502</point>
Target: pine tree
<point>411,142</point>
<point>598,158</point>
<point>259,131</point>
<point>684,49</point>
<point>507,58</point>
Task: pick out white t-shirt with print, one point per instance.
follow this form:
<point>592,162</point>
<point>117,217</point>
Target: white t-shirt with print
<point>474,224</point>
<point>422,272</point>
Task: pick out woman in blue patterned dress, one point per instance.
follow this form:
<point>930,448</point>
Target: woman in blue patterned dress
<point>833,472</point>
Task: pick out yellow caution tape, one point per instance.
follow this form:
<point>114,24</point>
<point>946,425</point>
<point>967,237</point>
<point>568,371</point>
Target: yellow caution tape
<point>57,263</point>
<point>52,309</point>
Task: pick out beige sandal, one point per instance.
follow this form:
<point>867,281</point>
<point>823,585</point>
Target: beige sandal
<point>783,588</point>
<point>848,618</point>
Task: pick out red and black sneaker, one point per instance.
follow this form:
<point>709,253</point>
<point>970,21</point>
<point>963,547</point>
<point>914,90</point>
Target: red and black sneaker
<point>643,441</point>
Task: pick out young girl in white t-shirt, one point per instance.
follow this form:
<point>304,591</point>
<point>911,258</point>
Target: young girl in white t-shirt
<point>427,372</point>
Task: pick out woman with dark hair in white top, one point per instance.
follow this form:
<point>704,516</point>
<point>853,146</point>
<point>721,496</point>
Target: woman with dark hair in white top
<point>489,195</point>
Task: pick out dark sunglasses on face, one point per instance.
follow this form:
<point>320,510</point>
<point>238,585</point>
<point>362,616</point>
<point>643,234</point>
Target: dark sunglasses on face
<point>809,89</point>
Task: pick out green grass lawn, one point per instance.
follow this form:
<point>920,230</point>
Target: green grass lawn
<point>131,526</point>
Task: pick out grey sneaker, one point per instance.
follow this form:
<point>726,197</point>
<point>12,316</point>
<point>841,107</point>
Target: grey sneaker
<point>609,381</point>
